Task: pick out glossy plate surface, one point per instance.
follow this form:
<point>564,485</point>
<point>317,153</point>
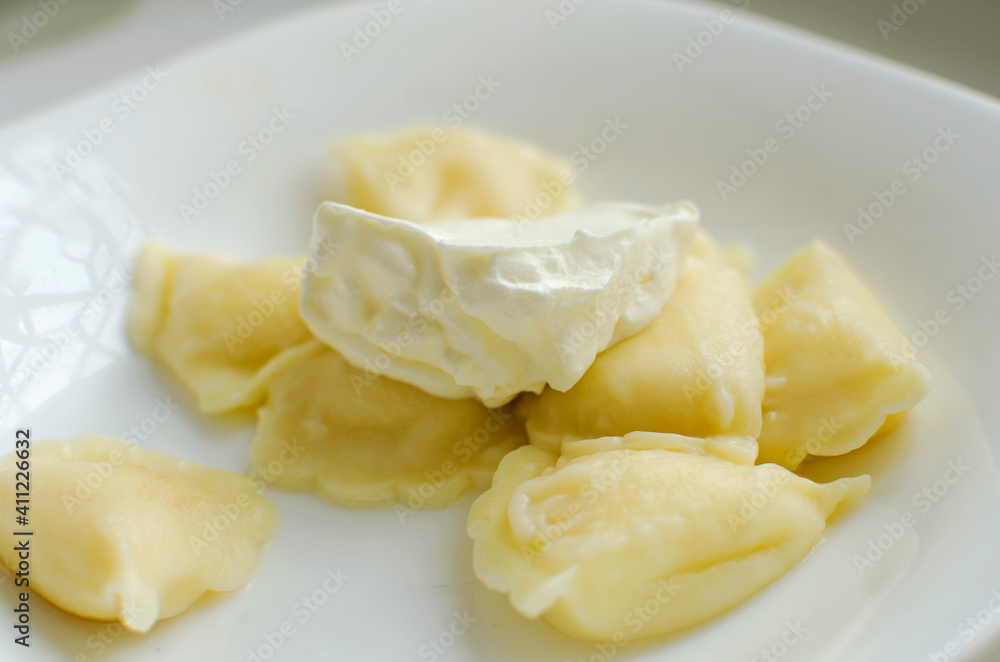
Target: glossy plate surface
<point>644,115</point>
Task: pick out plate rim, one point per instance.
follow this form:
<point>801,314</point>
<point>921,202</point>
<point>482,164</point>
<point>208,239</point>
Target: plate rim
<point>800,37</point>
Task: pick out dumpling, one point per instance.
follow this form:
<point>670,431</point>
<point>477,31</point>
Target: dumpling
<point>696,370</point>
<point>359,439</point>
<point>216,324</point>
<point>836,364</point>
<point>123,533</point>
<point>585,540</point>
<point>435,173</point>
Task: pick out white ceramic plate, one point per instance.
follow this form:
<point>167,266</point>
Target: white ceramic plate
<point>67,244</point>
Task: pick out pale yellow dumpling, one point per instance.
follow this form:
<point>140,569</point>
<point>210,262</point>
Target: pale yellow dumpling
<point>123,533</point>
<point>436,173</point>
<point>587,540</point>
<point>215,323</point>
<point>836,364</point>
<point>697,369</point>
<point>359,439</point>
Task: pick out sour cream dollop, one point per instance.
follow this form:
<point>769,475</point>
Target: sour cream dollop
<point>490,307</point>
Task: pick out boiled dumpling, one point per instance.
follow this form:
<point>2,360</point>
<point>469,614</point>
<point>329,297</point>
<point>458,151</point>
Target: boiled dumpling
<point>216,324</point>
<point>434,173</point>
<point>360,439</point>
<point>584,539</point>
<point>836,364</point>
<point>697,369</point>
<point>123,533</point>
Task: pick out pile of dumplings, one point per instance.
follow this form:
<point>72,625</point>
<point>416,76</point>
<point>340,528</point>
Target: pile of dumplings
<point>627,487</point>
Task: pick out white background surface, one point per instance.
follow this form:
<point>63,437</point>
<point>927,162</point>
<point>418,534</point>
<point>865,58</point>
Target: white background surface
<point>88,42</point>
<point>92,41</point>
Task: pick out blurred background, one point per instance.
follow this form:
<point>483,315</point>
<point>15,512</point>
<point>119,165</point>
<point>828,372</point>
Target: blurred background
<point>74,45</point>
